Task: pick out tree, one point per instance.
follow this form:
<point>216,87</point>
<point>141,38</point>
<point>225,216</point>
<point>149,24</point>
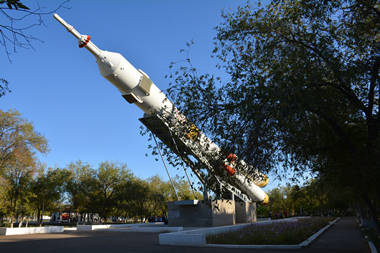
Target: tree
<point>18,135</point>
<point>18,173</point>
<point>18,144</point>
<point>47,190</point>
<point>303,90</point>
<point>109,177</point>
<point>184,190</point>
<point>163,192</point>
<point>138,198</point>
<point>4,185</point>
<point>313,198</point>
<point>81,187</point>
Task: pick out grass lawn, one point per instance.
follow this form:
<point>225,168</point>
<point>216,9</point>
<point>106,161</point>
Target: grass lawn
<point>286,232</point>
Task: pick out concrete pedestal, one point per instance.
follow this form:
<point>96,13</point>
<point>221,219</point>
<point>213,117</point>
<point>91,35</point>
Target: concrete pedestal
<point>245,212</point>
<point>194,213</point>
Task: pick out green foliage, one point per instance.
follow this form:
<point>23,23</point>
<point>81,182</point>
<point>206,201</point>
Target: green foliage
<point>184,190</point>
<point>47,189</point>
<point>18,138</point>
<point>80,186</point>
<point>28,188</point>
<point>108,178</point>
<point>18,143</point>
<point>112,190</point>
<point>17,176</point>
<point>302,90</point>
<point>139,199</point>
<point>314,198</point>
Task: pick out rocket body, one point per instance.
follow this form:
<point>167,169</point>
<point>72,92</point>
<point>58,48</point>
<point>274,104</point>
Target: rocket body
<point>123,75</point>
<point>137,88</point>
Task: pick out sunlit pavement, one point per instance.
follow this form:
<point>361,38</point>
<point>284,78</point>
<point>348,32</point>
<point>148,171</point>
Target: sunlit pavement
<point>342,237</point>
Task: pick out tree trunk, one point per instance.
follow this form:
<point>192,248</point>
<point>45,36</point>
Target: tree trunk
<point>42,213</point>
<point>21,222</point>
<point>39,216</point>
<point>372,212</point>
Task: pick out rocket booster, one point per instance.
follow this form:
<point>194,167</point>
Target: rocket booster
<point>137,88</point>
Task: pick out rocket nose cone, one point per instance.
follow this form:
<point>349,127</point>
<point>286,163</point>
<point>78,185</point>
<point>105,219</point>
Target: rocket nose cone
<point>60,20</point>
<point>57,17</point>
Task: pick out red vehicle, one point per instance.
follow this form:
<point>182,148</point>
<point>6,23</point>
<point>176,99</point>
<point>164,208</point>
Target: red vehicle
<point>65,217</point>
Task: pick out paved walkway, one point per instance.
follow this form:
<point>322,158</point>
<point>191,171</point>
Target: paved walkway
<point>344,236</point>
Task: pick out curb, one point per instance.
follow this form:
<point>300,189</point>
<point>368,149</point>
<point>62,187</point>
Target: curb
<point>116,226</point>
<point>315,236</point>
<point>31,230</point>
<point>138,227</point>
<point>372,247</point>
<point>237,246</point>
<point>145,229</point>
<point>70,229</point>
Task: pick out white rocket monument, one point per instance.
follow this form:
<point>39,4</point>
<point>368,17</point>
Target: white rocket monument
<point>172,127</point>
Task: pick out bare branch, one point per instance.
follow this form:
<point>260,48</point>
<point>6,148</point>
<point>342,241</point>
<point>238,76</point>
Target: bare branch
<point>14,34</point>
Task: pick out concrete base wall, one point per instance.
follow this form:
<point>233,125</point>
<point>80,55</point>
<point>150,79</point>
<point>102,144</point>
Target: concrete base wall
<point>223,212</point>
<point>245,212</point>
<point>31,230</point>
<point>195,237</point>
<point>206,214</point>
<point>192,215</point>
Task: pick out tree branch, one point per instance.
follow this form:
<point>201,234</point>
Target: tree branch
<point>13,34</point>
<point>374,79</point>
<point>334,126</point>
<point>346,92</point>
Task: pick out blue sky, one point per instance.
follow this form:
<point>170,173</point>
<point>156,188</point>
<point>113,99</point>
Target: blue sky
<point>58,86</point>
